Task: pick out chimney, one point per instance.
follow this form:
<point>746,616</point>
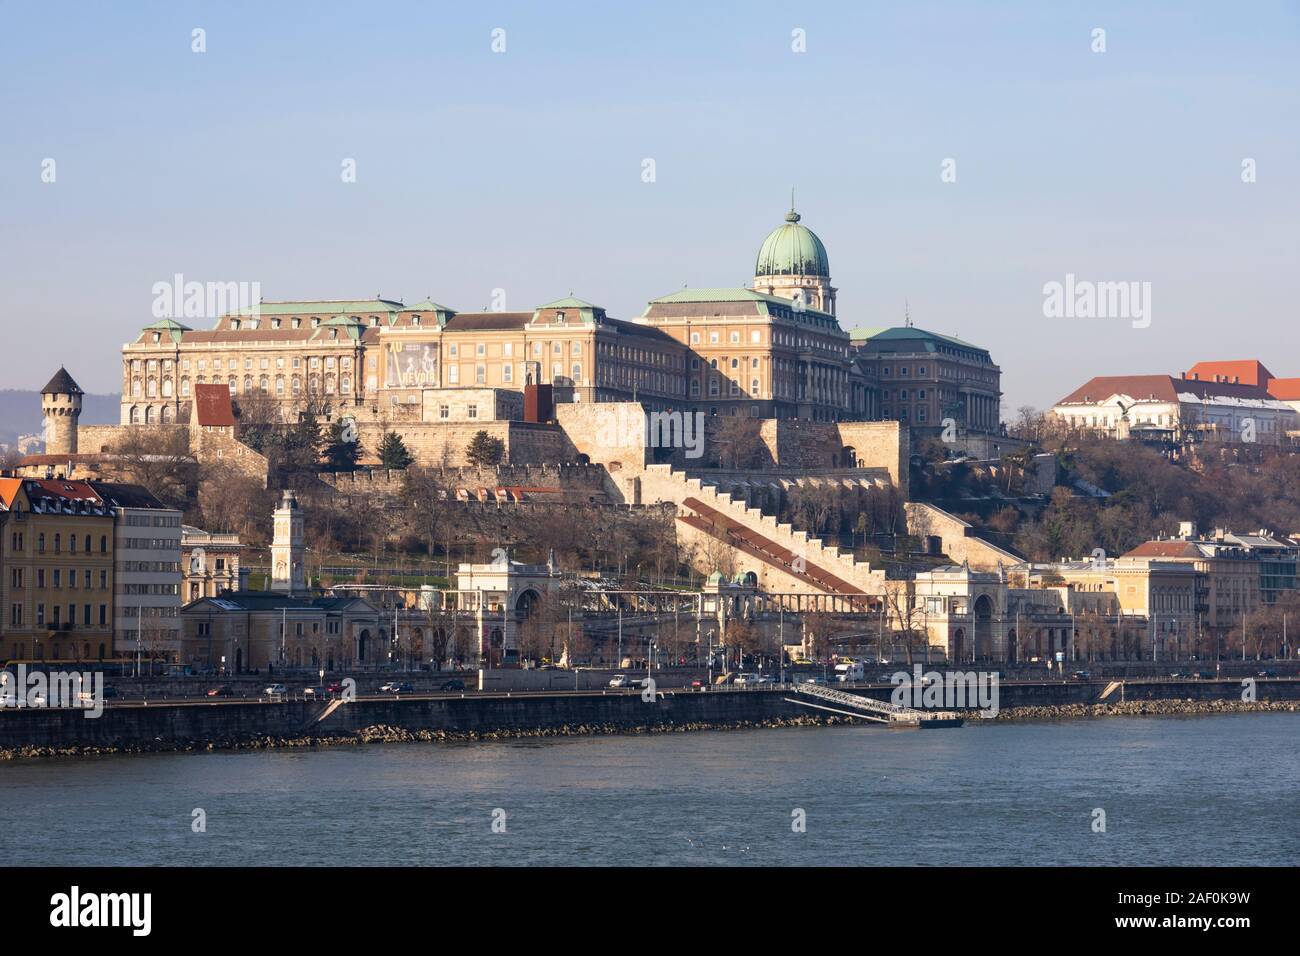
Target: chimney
<point>1187,529</point>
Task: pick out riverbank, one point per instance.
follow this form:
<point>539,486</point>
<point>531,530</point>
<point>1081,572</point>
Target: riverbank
<point>1148,708</point>
<point>391,733</point>
<point>385,734</point>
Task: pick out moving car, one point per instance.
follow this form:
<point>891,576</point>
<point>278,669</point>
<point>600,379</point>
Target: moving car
<point>225,690</point>
<point>747,680</point>
<point>397,687</point>
<point>454,684</point>
<point>619,680</point>
<point>275,690</point>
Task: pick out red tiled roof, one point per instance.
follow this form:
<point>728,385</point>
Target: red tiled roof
<point>1243,372</point>
<point>212,406</point>
<point>1165,549</point>
<point>1160,388</point>
<point>1286,389</point>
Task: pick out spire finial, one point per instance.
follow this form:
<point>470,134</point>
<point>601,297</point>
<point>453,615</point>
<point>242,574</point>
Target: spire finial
<point>907,314</point>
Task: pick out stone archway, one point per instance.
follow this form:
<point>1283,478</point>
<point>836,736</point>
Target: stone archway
<point>1011,646</point>
<point>957,651</point>
<point>362,640</point>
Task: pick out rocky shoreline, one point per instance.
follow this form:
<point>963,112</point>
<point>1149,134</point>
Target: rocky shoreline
<point>384,734</point>
<point>381,733</point>
<point>1148,708</point>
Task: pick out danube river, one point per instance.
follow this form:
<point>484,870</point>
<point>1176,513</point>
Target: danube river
<point>1202,790</point>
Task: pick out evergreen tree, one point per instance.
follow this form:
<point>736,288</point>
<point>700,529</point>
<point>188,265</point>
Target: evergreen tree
<point>342,446</point>
<point>393,453</point>
<point>484,450</point>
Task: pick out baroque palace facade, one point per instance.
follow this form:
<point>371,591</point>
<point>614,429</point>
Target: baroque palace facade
<point>773,351</point>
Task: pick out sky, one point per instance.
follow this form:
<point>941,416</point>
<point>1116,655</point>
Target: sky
<point>953,157</point>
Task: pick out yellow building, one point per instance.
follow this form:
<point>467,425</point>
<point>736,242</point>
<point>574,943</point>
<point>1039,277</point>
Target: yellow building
<point>56,571</point>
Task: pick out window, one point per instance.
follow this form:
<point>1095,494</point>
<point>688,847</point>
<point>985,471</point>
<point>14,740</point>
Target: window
<point>480,349</point>
<point>471,411</point>
<point>756,336</point>
<point>713,338</point>
<point>453,374</point>
<point>444,411</point>
<point>735,338</point>
<point>507,372</point>
<point>695,338</point>
<point>480,374</point>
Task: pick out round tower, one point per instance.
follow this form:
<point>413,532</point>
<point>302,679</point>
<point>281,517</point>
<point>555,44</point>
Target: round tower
<point>61,407</point>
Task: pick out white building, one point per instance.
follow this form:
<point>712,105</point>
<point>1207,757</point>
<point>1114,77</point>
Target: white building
<point>146,572</point>
<point>1177,409</point>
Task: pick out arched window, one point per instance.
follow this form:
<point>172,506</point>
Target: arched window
<point>148,414</point>
<point>151,388</point>
<point>248,384</point>
<point>167,388</point>
<point>166,413</point>
<point>263,384</point>
<point>185,385</point>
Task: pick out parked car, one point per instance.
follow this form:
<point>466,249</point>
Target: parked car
<point>224,690</point>
<point>454,684</point>
<point>275,690</point>
<point>619,680</point>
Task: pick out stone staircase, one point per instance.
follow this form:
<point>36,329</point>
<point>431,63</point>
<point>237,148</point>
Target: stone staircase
<point>663,483</point>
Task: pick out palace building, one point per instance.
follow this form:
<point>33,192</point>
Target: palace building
<point>772,351</point>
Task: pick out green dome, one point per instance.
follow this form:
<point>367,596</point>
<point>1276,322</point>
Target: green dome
<point>792,250</point>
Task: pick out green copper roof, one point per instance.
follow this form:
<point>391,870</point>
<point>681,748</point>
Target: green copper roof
<point>173,329</point>
<point>586,311</point>
<point>706,296</point>
<point>792,250</point>
<point>568,303</point>
<point>902,333</point>
<point>428,305</point>
<point>324,308</point>
<point>718,295</point>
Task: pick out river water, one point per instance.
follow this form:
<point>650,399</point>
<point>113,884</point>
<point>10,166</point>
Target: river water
<point>1200,790</point>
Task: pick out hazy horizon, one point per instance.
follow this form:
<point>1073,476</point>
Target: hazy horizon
<point>522,170</point>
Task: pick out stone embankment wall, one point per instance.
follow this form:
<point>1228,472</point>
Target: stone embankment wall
<point>147,727</point>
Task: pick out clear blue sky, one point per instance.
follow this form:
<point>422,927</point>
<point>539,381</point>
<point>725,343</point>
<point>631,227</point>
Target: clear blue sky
<point>522,170</point>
